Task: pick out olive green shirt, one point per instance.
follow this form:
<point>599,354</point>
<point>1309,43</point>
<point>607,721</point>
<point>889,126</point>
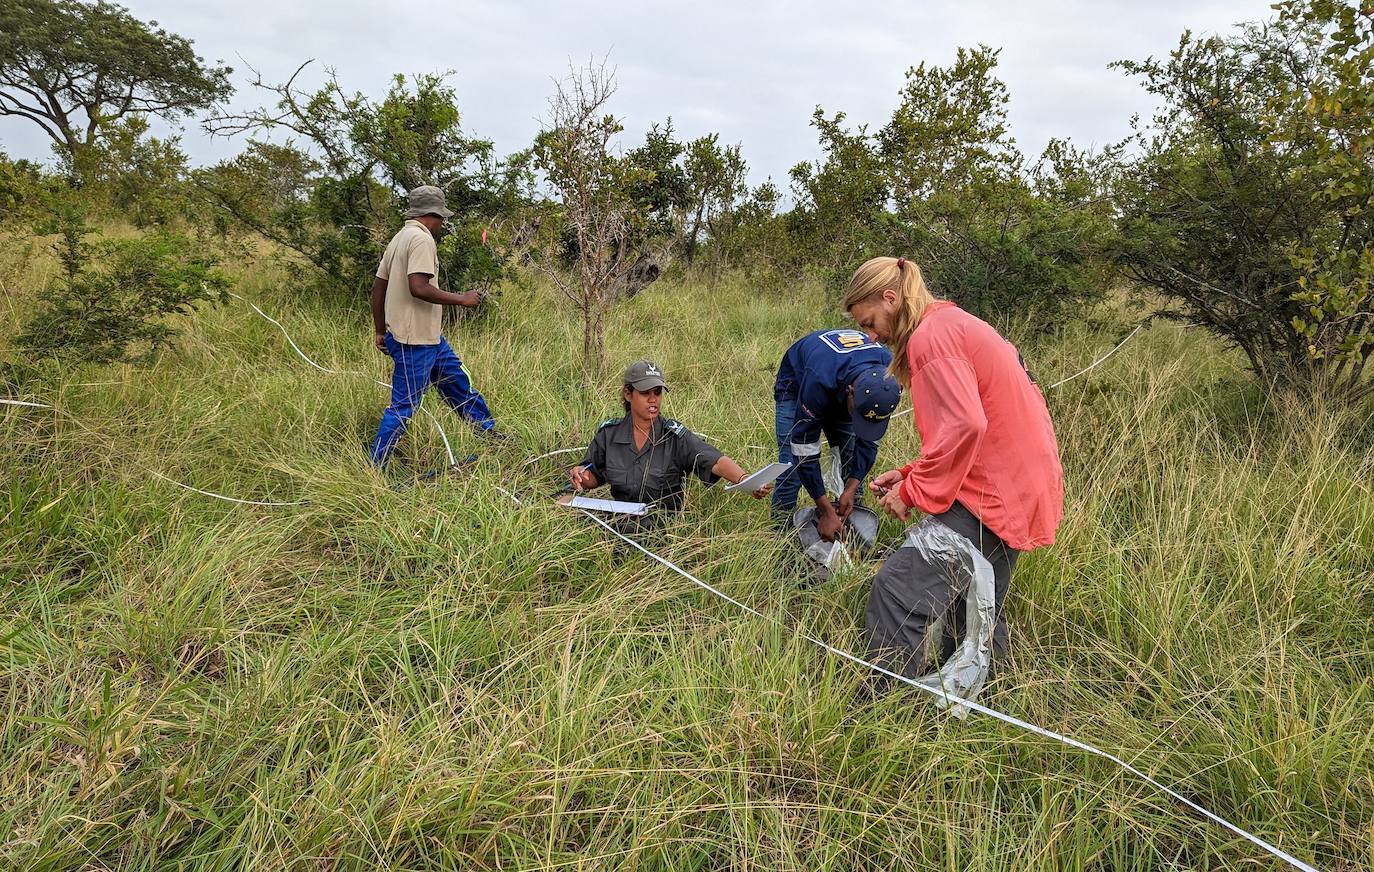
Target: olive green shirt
<point>412,250</point>
<point>655,473</point>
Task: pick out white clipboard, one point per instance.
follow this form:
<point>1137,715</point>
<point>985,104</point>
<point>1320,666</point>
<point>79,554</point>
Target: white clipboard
<point>613,507</point>
<point>767,475</point>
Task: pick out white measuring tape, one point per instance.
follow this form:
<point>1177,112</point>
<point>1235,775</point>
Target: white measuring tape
<point>154,472</point>
<point>554,453</point>
<point>939,692</point>
<point>448,449</point>
<point>302,354</point>
<point>1087,369</point>
<point>207,493</point>
<point>844,655</point>
<point>1096,363</point>
<point>970,704</point>
<point>975,706</point>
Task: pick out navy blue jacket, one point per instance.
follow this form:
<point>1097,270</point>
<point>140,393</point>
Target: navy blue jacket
<point>816,373</point>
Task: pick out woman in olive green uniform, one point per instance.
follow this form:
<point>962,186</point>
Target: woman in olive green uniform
<point>646,458</point>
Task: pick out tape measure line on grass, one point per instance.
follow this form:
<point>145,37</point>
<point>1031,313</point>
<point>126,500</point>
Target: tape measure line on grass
<point>448,449</point>
<point>830,649</point>
<point>154,472</point>
<point>975,706</point>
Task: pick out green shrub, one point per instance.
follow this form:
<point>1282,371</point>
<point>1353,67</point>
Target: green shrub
<point>1248,210</point>
<point>114,296</point>
<point>26,192</point>
<point>944,184</point>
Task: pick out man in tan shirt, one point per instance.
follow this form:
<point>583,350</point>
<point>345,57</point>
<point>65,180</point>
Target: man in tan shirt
<point>406,314</point>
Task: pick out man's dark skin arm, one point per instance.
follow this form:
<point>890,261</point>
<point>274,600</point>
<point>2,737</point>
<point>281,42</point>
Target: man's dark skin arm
<point>828,520</point>
<point>379,313</point>
<point>422,289</point>
<point>845,506</point>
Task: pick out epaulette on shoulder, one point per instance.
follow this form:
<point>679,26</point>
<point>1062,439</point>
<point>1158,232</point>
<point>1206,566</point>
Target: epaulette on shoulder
<point>677,428</point>
<point>609,422</point>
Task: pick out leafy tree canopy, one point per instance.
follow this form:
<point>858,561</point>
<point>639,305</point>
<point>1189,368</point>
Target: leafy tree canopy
<point>76,68</point>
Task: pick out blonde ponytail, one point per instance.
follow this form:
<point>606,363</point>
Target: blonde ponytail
<point>898,274</point>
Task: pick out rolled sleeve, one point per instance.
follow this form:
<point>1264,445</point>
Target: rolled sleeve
<point>595,456</point>
<point>806,435</point>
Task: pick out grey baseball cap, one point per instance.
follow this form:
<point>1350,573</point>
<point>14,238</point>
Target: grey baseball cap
<point>643,375</point>
<point>427,200</point>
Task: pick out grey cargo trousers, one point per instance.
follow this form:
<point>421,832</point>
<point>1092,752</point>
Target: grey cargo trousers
<point>911,595</point>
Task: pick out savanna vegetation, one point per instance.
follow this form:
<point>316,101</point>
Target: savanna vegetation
<point>364,669</point>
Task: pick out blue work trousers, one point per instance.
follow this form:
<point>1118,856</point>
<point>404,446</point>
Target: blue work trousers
<point>416,368</point>
<point>840,435</point>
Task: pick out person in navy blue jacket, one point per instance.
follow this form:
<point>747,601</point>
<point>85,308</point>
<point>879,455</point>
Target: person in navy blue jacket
<point>831,383</point>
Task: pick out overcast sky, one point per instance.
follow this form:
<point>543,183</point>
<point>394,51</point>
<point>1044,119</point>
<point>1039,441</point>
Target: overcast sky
<point>751,71</point>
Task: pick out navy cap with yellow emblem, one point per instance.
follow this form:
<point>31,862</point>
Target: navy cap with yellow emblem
<point>876,395</point>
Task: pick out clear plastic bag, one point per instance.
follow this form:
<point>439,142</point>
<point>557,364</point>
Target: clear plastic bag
<point>860,533</point>
<point>970,575</point>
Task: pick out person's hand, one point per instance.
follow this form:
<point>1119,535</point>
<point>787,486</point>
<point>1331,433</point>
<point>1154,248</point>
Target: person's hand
<point>893,504</point>
<point>582,478</point>
<point>471,299</point>
<point>763,491</point>
<point>845,506</point>
<point>885,482</point>
<point>379,339</point>
<point>828,524</point>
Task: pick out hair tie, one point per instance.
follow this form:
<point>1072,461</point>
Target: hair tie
<point>901,262</point>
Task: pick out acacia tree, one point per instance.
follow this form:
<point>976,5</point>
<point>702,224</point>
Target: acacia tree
<point>841,216</point>
<point>996,233</point>
<point>77,69</point>
<point>415,136</point>
<point>594,186</point>
<point>754,237</point>
<point>658,192</point>
<point>1248,210</point>
<point>950,129</point>
<point>943,182</point>
<point>113,298</point>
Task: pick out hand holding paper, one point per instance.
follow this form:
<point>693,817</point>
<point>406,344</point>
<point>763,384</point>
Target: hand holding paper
<point>761,479</point>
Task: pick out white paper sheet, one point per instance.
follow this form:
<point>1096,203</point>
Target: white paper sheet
<point>764,476</point>
<point>616,507</point>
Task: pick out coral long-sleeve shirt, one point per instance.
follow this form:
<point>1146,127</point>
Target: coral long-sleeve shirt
<point>986,436</point>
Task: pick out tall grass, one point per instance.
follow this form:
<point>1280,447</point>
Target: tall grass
<point>427,675</point>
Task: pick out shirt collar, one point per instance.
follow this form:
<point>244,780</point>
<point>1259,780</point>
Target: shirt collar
<point>626,431</point>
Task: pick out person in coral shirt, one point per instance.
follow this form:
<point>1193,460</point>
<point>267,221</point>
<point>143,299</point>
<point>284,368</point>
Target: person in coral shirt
<point>988,468</point>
